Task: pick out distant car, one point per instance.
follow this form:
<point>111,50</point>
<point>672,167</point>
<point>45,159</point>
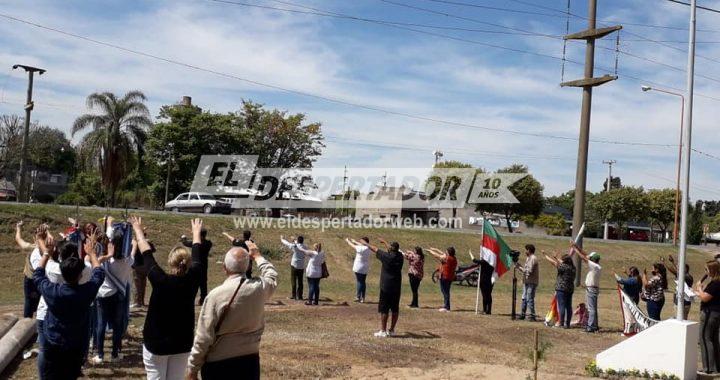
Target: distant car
<point>198,202</point>
<point>8,195</point>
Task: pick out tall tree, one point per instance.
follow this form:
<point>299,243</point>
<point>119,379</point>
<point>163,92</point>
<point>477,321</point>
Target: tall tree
<point>118,132</point>
<point>528,191</point>
<point>450,181</point>
<point>620,205</point>
<point>661,208</point>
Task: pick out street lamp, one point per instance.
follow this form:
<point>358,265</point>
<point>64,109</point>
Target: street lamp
<point>438,154</point>
<point>677,187</point>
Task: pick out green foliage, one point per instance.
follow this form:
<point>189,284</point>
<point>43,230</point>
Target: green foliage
<point>695,225</point>
<point>529,220</point>
<point>72,198</point>
<point>85,189</point>
<point>592,370</point>
<point>528,191</point>
<point>565,200</point>
<point>117,136</point>
<point>661,207</point>
<point>553,224</point>
<point>620,205</point>
<point>48,148</point>
<point>183,134</point>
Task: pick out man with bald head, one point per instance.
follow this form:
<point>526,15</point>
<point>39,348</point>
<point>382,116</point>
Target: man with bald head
<point>231,321</point>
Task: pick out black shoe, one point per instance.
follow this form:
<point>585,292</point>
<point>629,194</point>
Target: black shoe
<point>308,303</point>
<point>532,319</point>
<point>521,318</point>
<point>292,298</point>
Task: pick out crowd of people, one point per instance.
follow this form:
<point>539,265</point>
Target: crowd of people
<point>78,285</point>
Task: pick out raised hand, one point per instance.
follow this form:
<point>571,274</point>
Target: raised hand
<point>196,226</point>
<point>19,224</point>
<point>253,249</point>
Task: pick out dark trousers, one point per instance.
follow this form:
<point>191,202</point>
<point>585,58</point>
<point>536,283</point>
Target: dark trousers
<point>445,289</point>
<point>360,285</point>
<point>140,281</point>
<point>59,363</point>
<point>110,311</point>
<point>203,283</point>
<point>32,298</point>
<point>710,340</point>
<point>313,290</point>
<point>486,288</point>
<point>241,368</point>
<point>414,286</point>
<point>654,309</point>
<point>564,304</point>
<point>296,279</point>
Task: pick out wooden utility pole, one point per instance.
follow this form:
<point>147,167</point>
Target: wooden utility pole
<point>587,83</point>
<point>22,193</point>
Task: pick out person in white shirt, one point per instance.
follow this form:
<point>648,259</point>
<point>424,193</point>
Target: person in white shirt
<point>592,284</point>
<point>314,273</point>
<point>112,300</point>
<point>297,265</point>
<point>32,295</point>
<point>361,266</point>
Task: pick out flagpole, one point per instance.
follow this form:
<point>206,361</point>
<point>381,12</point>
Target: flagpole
<point>477,296</point>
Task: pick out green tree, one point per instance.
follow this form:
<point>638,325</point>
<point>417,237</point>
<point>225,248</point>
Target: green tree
<point>118,132</point>
<point>451,180</point>
<point>615,183</point>
<point>620,205</point>
<point>553,224</point>
<point>528,191</point>
<point>695,224</point>
<point>85,190</point>
<point>661,208</point>
<point>565,200</point>
<point>48,148</point>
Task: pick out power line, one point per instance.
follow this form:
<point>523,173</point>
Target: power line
<point>698,6</point>
<point>324,97</point>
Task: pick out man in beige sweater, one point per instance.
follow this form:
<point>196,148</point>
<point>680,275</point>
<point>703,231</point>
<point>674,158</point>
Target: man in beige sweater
<point>231,322</point>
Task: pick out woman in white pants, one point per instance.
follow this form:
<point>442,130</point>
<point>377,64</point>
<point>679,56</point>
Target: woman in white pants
<point>170,322</point>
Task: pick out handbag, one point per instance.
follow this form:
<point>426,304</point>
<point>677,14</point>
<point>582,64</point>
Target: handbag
<point>325,272</point>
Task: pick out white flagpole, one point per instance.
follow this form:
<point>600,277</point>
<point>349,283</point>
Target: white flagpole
<point>477,296</point>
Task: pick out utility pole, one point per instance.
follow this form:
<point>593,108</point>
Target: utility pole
<point>587,83</point>
<point>686,159</point>
<point>438,155</point>
<point>171,152</point>
<point>607,188</point>
<point>26,132</point>
<point>345,178</point>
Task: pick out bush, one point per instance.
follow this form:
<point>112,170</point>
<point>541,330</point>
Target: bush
<point>553,224</point>
<point>72,198</point>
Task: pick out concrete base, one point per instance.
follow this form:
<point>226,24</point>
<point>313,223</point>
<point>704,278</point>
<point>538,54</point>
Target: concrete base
<point>670,347</point>
<point>12,343</point>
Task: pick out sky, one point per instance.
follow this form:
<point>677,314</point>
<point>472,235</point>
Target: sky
<point>481,85</point>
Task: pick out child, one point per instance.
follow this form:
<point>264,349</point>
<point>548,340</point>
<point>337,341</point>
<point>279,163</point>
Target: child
<point>581,316</point>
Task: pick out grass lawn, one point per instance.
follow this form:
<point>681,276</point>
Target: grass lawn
<point>335,340</point>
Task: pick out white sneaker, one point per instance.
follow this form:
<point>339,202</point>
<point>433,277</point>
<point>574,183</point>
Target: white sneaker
<point>381,334</point>
<point>443,310</point>
<point>96,360</point>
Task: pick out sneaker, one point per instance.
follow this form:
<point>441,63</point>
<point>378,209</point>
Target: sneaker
<point>292,298</point>
<point>443,310</point>
<point>362,300</point>
<point>381,334</point>
<point>521,318</point>
<point>96,360</point>
<point>391,333</point>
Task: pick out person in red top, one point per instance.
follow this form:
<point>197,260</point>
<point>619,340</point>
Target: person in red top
<point>448,264</point>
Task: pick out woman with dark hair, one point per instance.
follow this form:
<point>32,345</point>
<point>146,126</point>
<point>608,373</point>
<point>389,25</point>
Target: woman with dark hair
<point>653,290</point>
<point>314,272</point>
<point>710,318</point>
<point>361,266</point>
<point>448,264</point>
<point>564,286</point>
<point>632,284</point>
<point>416,264</point>
<point>169,326</point>
<point>32,258</point>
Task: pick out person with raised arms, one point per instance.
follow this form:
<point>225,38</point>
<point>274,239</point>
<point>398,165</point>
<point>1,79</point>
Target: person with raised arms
<point>416,264</point>
<point>66,328</point>
<point>564,286</point>
<point>297,265</point>
<point>448,264</point>
<point>361,266</point>
<point>314,272</point>
<point>390,285</point>
<point>592,285</point>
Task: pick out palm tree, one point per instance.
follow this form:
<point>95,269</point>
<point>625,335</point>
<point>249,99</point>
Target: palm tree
<point>118,133</point>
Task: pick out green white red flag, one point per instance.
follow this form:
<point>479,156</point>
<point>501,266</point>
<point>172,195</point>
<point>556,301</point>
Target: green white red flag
<point>495,251</point>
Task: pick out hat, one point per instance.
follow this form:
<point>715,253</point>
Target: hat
<point>594,256</point>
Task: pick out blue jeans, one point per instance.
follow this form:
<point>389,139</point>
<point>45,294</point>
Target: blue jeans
<point>32,298</point>
<point>360,285</point>
<point>110,311</point>
<point>654,309</point>
<point>445,289</point>
<point>564,303</point>
<point>314,290</point>
<point>592,300</point>
<point>528,299</point>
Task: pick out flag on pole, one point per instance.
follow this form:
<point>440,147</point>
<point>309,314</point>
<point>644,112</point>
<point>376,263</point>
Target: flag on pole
<point>553,316</point>
<point>495,251</point>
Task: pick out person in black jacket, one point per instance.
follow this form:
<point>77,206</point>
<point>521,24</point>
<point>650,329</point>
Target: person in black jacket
<point>170,322</point>
<point>390,285</point>
<point>205,247</point>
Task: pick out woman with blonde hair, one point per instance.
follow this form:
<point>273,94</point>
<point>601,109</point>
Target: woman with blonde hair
<point>170,322</point>
<point>314,272</point>
<point>710,318</point>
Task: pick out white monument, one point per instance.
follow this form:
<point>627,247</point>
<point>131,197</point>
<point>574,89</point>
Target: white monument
<point>669,347</point>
